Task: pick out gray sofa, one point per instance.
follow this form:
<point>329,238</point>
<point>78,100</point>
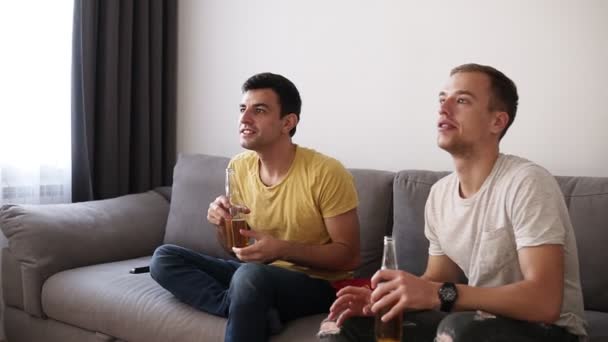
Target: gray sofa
<point>65,272</point>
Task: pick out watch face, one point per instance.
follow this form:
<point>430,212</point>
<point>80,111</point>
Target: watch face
<point>448,294</point>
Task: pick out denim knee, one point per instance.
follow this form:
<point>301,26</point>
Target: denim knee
<point>250,283</point>
<point>158,263</point>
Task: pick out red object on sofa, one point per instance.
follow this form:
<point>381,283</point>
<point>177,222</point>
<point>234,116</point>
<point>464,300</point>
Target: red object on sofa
<point>359,282</point>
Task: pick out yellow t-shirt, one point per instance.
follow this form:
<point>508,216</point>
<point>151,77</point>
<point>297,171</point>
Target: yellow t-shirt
<point>316,187</point>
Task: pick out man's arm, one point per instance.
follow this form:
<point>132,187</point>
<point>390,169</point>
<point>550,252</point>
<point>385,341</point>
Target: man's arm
<point>401,291</point>
<point>341,254</point>
<point>534,202</point>
<point>217,214</point>
<point>538,297</point>
<point>440,268</point>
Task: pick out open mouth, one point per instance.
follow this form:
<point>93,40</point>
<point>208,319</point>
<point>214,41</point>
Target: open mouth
<point>445,125</point>
<point>247,131</point>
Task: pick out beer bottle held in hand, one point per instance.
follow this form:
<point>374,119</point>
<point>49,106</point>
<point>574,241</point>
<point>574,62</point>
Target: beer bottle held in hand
<point>392,330</point>
<point>237,221</point>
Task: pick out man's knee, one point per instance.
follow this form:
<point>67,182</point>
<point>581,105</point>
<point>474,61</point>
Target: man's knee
<point>249,282</point>
<point>462,326</point>
<point>353,329</point>
<point>160,261</point>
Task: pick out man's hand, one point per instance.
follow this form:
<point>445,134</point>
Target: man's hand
<point>400,291</point>
<point>351,301</point>
<point>217,214</point>
<point>265,249</point>
<point>218,211</point>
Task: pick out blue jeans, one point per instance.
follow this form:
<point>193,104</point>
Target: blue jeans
<point>254,297</point>
<point>465,326</point>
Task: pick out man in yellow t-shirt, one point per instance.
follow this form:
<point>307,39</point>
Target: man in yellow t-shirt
<point>302,209</point>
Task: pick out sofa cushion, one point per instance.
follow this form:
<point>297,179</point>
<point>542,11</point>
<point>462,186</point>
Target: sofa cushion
<point>587,201</point>
<point>20,326</point>
<point>12,280</point>
<point>597,326</point>
<point>301,330</point>
<point>410,190</point>
<point>46,239</point>
<point>375,190</point>
<point>106,298</point>
<point>197,181</point>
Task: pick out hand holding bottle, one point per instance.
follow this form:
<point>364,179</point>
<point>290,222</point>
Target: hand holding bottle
<point>388,327</point>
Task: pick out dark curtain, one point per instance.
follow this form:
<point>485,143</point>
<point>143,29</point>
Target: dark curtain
<point>123,96</point>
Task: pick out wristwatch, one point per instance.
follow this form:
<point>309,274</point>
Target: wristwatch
<point>448,294</point>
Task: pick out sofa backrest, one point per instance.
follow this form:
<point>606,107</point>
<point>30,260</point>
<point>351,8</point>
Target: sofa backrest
<point>410,191</point>
<point>375,190</point>
<point>392,203</point>
<point>587,201</point>
<point>197,180</point>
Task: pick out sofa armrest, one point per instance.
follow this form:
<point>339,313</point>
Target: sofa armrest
<point>47,239</point>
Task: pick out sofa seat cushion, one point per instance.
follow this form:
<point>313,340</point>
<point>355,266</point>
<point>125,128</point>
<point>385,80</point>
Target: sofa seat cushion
<point>106,298</point>
<point>597,325</point>
<point>301,330</point>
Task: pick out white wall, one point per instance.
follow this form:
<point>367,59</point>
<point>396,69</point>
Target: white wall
<point>369,73</point>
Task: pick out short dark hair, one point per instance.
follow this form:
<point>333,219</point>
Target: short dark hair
<point>289,97</point>
<point>503,90</point>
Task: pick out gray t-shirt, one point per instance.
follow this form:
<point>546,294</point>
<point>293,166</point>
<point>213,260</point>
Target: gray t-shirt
<point>519,205</point>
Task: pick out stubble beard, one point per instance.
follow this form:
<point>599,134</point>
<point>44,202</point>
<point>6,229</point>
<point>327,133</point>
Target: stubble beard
<point>456,148</point>
<point>248,144</point>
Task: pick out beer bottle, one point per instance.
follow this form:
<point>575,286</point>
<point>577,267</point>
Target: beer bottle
<point>390,331</point>
<point>237,221</point>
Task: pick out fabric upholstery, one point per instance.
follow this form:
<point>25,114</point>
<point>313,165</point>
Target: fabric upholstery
<point>164,191</point>
<point>587,200</point>
<point>106,298</point>
<point>12,290</point>
<point>598,325</point>
<point>197,181</point>
<point>47,239</point>
<point>301,330</point>
<point>375,204</point>
<point>410,191</point>
<point>132,307</point>
<point>21,327</point>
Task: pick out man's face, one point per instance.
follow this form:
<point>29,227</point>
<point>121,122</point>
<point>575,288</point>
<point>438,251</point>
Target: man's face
<point>465,120</point>
<point>260,123</point>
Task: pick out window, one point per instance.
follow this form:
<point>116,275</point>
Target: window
<point>35,69</point>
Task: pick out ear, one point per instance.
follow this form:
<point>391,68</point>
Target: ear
<point>500,122</point>
<point>289,122</point>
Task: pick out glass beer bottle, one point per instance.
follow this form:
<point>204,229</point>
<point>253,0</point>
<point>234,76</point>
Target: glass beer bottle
<point>390,331</point>
<point>237,221</point>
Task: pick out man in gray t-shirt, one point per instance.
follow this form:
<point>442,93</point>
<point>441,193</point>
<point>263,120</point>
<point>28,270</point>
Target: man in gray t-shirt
<point>499,220</point>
